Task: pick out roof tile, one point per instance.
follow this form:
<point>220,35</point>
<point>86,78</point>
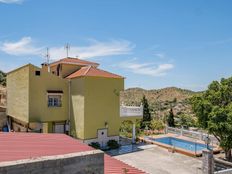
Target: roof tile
<point>92,72</point>
<point>74,61</point>
<point>114,166</point>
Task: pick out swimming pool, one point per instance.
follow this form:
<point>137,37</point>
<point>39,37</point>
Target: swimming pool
<point>180,143</point>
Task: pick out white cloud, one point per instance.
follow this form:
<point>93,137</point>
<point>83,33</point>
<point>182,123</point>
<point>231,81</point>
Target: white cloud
<point>21,48</point>
<point>95,49</point>
<point>160,55</point>
<point>147,68</point>
<point>26,46</point>
<point>11,1</point>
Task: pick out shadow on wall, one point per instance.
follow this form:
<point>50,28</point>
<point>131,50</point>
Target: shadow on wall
<point>3,118</point>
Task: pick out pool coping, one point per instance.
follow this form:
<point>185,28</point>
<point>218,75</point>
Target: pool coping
<point>173,149</point>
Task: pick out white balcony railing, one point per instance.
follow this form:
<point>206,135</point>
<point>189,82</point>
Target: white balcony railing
<point>131,111</point>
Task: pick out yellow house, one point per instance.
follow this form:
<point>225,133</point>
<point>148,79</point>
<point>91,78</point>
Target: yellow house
<point>70,96</point>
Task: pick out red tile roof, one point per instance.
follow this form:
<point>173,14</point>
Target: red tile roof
<point>92,72</point>
<point>15,146</point>
<point>74,61</point>
<point>114,166</point>
<point>18,146</point>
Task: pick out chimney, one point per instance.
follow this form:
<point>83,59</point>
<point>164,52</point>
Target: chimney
<point>45,67</point>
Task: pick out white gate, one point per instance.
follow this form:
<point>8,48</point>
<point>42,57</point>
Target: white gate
<point>59,128</point>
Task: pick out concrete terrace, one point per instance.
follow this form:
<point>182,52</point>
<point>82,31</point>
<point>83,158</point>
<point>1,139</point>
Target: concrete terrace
<point>157,160</point>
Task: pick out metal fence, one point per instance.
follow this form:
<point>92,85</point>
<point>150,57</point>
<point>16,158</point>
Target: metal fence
<point>192,134</point>
<point>226,171</point>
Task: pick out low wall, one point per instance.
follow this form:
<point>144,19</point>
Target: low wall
<point>90,162</point>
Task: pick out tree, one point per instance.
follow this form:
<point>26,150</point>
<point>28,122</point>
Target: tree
<point>170,118</point>
<point>157,124</point>
<point>213,109</point>
<point>2,78</point>
<point>185,120</point>
<point>146,121</point>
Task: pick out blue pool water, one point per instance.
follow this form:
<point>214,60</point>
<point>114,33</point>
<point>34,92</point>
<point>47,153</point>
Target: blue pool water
<point>183,144</point>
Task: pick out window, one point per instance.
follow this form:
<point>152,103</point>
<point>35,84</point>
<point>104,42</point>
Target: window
<point>54,101</point>
<point>37,73</point>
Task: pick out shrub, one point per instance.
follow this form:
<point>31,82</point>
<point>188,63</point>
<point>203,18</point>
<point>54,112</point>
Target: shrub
<point>126,126</point>
<point>157,124</point>
<point>112,144</point>
<point>2,78</point>
<point>95,145</point>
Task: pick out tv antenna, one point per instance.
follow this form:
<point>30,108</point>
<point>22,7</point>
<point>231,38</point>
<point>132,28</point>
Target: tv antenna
<point>47,56</point>
<point>67,47</point>
<point>48,59</point>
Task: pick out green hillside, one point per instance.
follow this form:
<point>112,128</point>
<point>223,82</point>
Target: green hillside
<point>160,100</point>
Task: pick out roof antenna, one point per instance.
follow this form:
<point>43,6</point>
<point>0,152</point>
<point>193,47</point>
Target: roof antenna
<point>48,59</point>
<point>67,47</point>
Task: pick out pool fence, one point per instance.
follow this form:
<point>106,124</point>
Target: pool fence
<point>192,134</point>
<point>226,171</point>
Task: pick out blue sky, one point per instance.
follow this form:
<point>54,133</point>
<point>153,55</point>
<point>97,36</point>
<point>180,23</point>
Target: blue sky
<point>153,43</point>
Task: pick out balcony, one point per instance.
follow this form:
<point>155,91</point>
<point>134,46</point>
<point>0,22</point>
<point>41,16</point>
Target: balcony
<point>131,111</point>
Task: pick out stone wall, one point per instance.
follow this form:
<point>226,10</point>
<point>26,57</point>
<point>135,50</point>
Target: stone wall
<point>90,162</point>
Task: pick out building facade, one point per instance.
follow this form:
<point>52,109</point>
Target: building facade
<point>70,96</point>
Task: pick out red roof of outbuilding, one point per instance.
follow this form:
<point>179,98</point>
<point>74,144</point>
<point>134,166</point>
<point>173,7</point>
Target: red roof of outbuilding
<point>74,61</point>
<point>15,146</point>
<point>18,146</point>
<point>114,166</point>
<point>92,72</point>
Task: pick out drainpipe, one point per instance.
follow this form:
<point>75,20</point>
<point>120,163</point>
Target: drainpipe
<point>69,105</point>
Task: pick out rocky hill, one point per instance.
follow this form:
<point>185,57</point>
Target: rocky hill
<point>160,100</point>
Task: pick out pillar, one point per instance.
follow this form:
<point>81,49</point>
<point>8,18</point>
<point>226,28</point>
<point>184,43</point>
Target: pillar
<point>166,129</point>
<point>133,133</point>
<point>207,162</point>
<point>181,131</point>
